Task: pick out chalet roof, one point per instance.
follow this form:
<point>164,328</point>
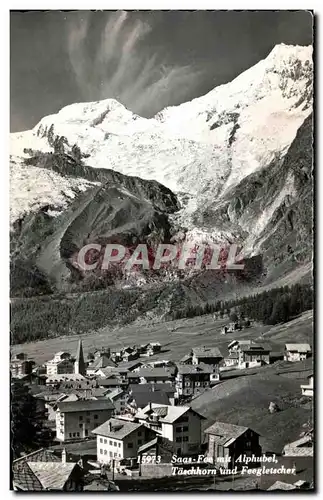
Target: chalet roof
<point>227,432</point>
<point>280,485</point>
<point>52,475</point>
<point>142,399</point>
<point>159,372</point>
<point>194,369</point>
<point>165,387</point>
<point>298,347</point>
<point>255,347</point>
<point>85,405</point>
<point>129,365</point>
<point>157,440</point>
<point>207,352</point>
<point>116,428</point>
<point>169,414</point>
<point>23,475</point>
<point>109,382</point>
<point>185,358</point>
<point>233,355</point>
<point>101,362</point>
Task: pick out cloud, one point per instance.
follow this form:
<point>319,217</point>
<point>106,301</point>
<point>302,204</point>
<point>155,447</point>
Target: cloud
<point>124,67</point>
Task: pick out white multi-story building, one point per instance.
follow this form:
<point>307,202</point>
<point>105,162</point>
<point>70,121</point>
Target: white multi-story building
<point>118,439</point>
<point>179,424</point>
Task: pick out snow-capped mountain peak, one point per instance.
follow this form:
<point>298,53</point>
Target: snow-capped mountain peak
<point>204,147</point>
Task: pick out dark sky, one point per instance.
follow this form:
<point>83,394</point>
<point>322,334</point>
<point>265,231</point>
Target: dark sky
<point>146,60</point>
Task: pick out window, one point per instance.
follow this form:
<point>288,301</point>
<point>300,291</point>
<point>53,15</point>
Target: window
<point>184,419</point>
<point>105,452</point>
<point>119,444</point>
<point>80,426</point>
<point>101,440</point>
<point>101,451</point>
<point>78,434</point>
<point>115,443</point>
<point>96,417</point>
<point>185,438</point>
<point>248,444</point>
<point>105,441</point>
<point>115,455</point>
<point>110,453</point>
<point>130,445</point>
<point>80,417</point>
<point>139,433</point>
<point>178,429</point>
<point>178,439</point>
<point>185,428</point>
<point>88,420</point>
<point>70,434</point>
<point>110,443</point>
<point>139,441</point>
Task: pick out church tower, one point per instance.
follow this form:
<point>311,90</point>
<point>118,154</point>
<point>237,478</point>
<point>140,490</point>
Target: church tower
<point>79,365</point>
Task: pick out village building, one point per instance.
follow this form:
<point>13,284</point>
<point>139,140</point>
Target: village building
<point>76,419</point>
<point>308,389</point>
<point>119,399</point>
<point>297,352</point>
<point>227,442</point>
<point>21,367</point>
<point>302,447</point>
<point>232,359</point>
<point>69,381</point>
<point>159,448</point>
<point>191,379</point>
<point>254,355</point>
<point>235,345</point>
<point>102,351</point>
<point>119,439</point>
<point>150,349</point>
<point>155,375</point>
<point>112,382</point>
<point>99,362</point>
<point>179,424</point>
<point>42,470</point>
<point>129,354</point>
<point>186,360</point>
<point>208,355</point>
<point>61,363</point>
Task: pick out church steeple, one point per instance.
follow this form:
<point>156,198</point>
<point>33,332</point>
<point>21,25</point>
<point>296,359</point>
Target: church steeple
<point>79,365</point>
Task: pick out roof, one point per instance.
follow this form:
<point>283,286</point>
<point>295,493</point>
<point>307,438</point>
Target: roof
<point>165,387</point>
<point>70,377</point>
<point>157,440</point>
<point>298,347</point>
<point>280,485</point>
<point>168,414</point>
<point>23,476</point>
<point>109,382</point>
<point>116,428</point>
<point>194,369</point>
<point>255,347</point>
<point>114,393</point>
<point>101,362</point>
<point>233,355</point>
<point>142,399</point>
<point>128,365</point>
<point>52,475</point>
<point>86,405</point>
<point>187,357</point>
<point>207,352</point>
<point>227,432</point>
<point>159,372</point>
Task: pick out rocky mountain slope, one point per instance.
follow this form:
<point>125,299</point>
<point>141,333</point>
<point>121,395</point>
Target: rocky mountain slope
<point>234,165</point>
